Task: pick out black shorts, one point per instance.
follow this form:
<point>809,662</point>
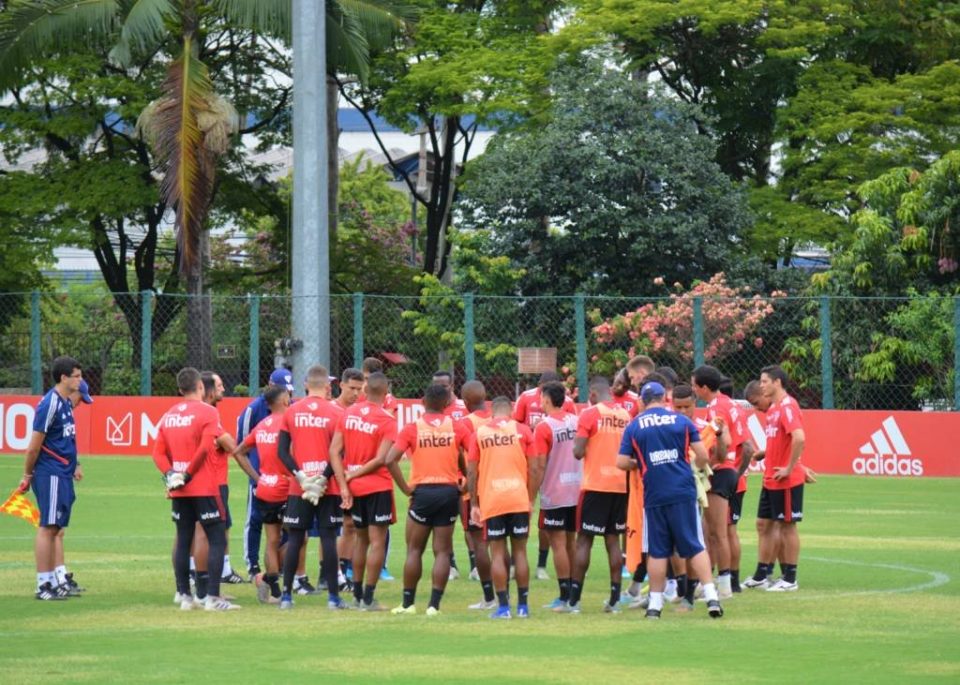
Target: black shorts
<point>375,509</point>
<point>736,508</point>
<point>723,483</point>
<point>561,518</point>
<point>224,497</point>
<point>781,505</point>
<point>602,513</point>
<point>507,525</point>
<point>465,517</point>
<point>270,512</point>
<point>302,515</point>
<point>206,511</point>
<point>435,505</point>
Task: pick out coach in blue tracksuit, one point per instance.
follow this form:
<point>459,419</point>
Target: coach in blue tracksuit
<point>50,468</point>
<point>256,412</point>
<point>659,443</point>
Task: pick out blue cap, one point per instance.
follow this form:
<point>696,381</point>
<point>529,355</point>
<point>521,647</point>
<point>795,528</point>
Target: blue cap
<point>283,378</point>
<point>85,393</point>
<point>651,391</point>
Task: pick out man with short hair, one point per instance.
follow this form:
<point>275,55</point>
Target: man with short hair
<point>254,413</point>
<point>364,435</point>
<point>456,409</point>
<point>50,467</point>
<point>658,442</point>
<point>304,449</point>
<point>733,441</point>
<point>638,368</point>
<point>186,437</point>
<point>557,474</point>
<point>528,409</point>
<point>475,398</point>
<point>498,475</point>
<point>352,384</point>
<point>622,395</point>
<point>374,365</point>
<point>603,491</point>
<point>434,444</point>
<point>781,498</point>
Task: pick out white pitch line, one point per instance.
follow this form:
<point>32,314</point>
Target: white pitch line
<point>937,578</point>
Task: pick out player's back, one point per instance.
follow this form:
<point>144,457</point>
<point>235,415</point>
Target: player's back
<point>183,428</point>
<point>311,423</point>
<point>661,440</point>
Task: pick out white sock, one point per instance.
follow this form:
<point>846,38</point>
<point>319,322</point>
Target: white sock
<point>709,592</point>
<point>60,573</point>
<point>46,577</point>
<point>193,564</point>
<point>341,579</point>
<point>671,588</point>
<point>227,568</point>
<point>656,601</point>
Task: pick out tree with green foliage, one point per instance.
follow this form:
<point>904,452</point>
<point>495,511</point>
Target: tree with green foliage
<point>464,64</point>
<point>615,189</point>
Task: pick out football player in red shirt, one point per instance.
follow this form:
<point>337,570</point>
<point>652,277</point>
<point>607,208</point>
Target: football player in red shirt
<point>364,435</point>
<point>374,365</point>
<point>781,499</point>
<point>351,391</point>
<point>304,449</point>
<point>183,452</point>
<point>273,484</point>
<point>475,398</point>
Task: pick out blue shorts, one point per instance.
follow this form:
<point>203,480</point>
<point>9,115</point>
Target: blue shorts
<point>55,497</point>
<point>673,527</point>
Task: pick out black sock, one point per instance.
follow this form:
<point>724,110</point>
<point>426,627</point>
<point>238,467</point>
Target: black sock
<point>522,593</point>
<point>203,581</point>
<point>640,573</point>
<point>614,593</point>
<point>503,598</point>
<point>576,588</point>
<point>542,558</point>
<point>735,579</point>
<point>473,559</point>
<point>789,572</point>
<point>761,571</point>
<point>682,585</point>
<point>691,589</point>
<point>723,572</point>
<point>273,580</point>
<point>345,565</point>
<point>358,592</point>
<point>453,561</point>
<point>435,597</point>
<point>564,584</point>
<point>409,597</point>
<point>368,591</point>
<point>770,567</point>
<point>487,586</point>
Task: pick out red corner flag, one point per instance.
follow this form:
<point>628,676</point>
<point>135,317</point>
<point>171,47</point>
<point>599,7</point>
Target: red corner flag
<point>18,505</point>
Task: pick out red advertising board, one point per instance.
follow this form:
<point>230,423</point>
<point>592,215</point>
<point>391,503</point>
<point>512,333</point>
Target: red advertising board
<point>870,443</point>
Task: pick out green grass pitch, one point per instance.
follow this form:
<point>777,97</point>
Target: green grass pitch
<point>879,602</point>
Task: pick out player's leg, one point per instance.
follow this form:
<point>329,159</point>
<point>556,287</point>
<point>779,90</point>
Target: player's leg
<point>416,536</point>
<point>561,565</point>
<point>345,546</point>
<point>733,539</point>
<point>484,568</point>
<point>217,535</point>
<point>252,532</point>
<point>499,568</point>
<point>543,551</point>
<point>518,547</point>
<point>63,577</point>
<point>44,554</point>
<point>716,516</point>
<point>442,553</point>
<point>792,513</point>
<point>200,554</point>
<point>185,520</point>
<point>291,554</point>
<point>361,546</point>
<point>615,562</point>
<point>768,540</point>
<point>686,532</point>
<point>581,564</point>
<point>270,579</point>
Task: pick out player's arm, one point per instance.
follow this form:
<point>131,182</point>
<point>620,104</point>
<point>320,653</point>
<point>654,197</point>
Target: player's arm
<point>700,456</point>
<point>799,439</point>
<point>239,453</point>
<point>723,441</point>
<point>30,459</point>
<point>336,463</point>
<point>283,451</point>
<point>391,461</point>
<point>626,463</point>
<point>472,472</point>
<point>747,451</point>
<point>160,453</point>
<point>579,447</point>
<point>536,467</point>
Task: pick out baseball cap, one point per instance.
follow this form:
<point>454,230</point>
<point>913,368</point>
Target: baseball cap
<point>283,378</point>
<point>85,393</point>
<point>650,391</point>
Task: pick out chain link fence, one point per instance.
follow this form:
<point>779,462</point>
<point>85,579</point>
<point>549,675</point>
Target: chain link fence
<point>848,353</point>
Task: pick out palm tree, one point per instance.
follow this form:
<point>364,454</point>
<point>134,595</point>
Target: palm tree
<point>189,127</point>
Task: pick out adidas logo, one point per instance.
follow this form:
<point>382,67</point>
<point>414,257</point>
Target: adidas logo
<point>887,453</point>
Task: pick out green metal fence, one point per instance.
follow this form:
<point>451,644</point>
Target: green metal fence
<point>856,353</point>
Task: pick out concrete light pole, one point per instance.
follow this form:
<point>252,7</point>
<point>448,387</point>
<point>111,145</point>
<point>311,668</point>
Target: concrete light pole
<point>310,244</point>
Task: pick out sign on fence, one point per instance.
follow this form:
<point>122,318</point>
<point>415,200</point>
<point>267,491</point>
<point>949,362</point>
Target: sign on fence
<point>868,443</point>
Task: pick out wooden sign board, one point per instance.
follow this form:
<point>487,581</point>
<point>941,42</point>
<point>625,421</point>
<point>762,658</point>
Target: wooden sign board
<point>536,359</point>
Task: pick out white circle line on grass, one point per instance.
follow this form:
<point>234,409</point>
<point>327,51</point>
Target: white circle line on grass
<point>937,578</point>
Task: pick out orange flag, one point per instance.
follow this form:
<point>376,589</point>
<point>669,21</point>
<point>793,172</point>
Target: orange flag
<point>18,505</point>
<point>634,520</point>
